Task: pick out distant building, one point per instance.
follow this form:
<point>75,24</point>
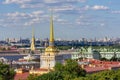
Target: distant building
<point>107,53</point>
<point>85,53</point>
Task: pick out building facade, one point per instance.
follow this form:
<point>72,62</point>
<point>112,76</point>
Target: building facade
<point>51,55</point>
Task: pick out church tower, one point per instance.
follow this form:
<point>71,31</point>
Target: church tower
<point>32,47</point>
<point>51,56</point>
<point>51,49</point>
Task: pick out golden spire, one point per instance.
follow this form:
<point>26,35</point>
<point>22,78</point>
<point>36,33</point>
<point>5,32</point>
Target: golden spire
<point>51,32</point>
<point>51,49</point>
<point>32,47</point>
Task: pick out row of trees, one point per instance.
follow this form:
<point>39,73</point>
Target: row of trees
<point>71,71</point>
<point>112,59</point>
<point>104,75</point>
<point>94,47</point>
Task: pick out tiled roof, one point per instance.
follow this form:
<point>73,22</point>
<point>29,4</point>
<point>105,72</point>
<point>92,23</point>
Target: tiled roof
<point>94,69</point>
<point>22,76</point>
<point>97,65</point>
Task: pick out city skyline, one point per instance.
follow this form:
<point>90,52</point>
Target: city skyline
<point>73,19</point>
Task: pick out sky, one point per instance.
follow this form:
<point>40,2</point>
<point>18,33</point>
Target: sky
<point>73,19</point>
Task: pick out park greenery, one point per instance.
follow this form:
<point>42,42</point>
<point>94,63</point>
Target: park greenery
<point>5,72</point>
<point>68,71</point>
<point>94,47</point>
<point>103,75</point>
<point>72,71</point>
<point>64,47</point>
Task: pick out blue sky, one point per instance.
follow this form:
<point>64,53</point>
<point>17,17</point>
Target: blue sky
<point>73,19</point>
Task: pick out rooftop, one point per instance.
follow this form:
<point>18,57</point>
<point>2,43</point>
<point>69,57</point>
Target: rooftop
<point>97,65</point>
<point>22,76</point>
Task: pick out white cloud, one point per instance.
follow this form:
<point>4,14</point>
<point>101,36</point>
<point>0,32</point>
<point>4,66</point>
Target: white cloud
<point>28,23</point>
<point>100,7</point>
<point>27,19</point>
<point>45,1</point>
<point>102,24</point>
<point>87,7</point>
<point>37,5</point>
<point>62,21</point>
<point>82,0</point>
<point>67,9</point>
<point>82,23</point>
<point>95,7</point>
<point>21,18</point>
<point>63,1</point>
<point>80,20</point>
<point>116,12</point>
<point>64,8</point>
<point>59,6</point>
<point>52,1</point>
<point>41,3</point>
<point>33,21</point>
<point>16,14</point>
<point>16,1</point>
<point>26,3</point>
<point>25,15</point>
<point>1,20</point>
<point>38,12</point>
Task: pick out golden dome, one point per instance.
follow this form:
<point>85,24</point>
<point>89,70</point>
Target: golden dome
<point>51,50</point>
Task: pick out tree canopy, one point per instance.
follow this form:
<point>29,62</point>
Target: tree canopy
<point>72,71</point>
<point>68,71</point>
<point>5,72</point>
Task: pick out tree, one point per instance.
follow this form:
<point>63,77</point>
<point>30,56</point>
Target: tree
<point>64,47</point>
<point>5,72</point>
<point>114,58</point>
<point>104,59</point>
<point>103,75</point>
<point>72,67</point>
<point>59,67</point>
<point>50,76</point>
